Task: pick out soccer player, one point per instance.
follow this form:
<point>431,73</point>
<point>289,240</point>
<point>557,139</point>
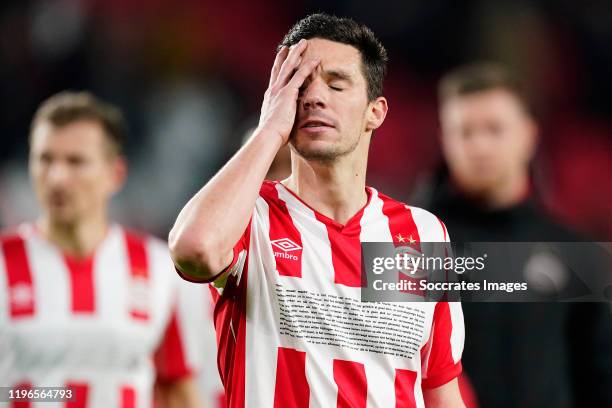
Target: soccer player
<point>519,355</point>
<point>284,257</point>
<point>84,302</point>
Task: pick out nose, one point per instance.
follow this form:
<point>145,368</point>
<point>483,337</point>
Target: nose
<point>480,147</point>
<point>314,95</point>
<point>57,174</point>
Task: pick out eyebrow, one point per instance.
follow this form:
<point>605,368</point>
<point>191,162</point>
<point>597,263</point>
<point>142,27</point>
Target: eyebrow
<point>340,75</point>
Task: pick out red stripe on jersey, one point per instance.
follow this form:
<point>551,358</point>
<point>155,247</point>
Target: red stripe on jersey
<point>139,271</point>
<point>404,388</point>
<point>405,234</point>
<point>169,357</point>
<point>128,397</point>
<point>441,368</point>
<point>445,238</point>
<point>230,325</point>
<point>209,302</point>
<point>81,284</point>
<point>285,238</point>
<point>402,277</point>
<point>80,392</point>
<point>21,289</point>
<point>346,251</point>
<point>401,224</point>
<point>352,384</point>
<point>214,295</point>
<point>291,388</point>
<point>443,228</point>
<point>26,386</point>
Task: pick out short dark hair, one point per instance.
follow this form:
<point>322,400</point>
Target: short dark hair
<point>68,107</point>
<point>346,31</point>
<point>482,76</point>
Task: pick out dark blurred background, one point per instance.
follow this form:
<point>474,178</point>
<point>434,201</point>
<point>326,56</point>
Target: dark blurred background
<point>190,76</point>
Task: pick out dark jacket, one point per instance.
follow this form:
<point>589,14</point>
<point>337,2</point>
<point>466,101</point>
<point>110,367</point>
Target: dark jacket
<point>528,354</point>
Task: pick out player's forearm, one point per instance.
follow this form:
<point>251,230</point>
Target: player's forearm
<point>444,396</point>
<point>179,394</point>
<point>211,223</point>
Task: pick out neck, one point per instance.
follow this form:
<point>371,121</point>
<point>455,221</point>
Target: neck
<point>335,189</point>
<point>507,194</point>
<point>78,239</point>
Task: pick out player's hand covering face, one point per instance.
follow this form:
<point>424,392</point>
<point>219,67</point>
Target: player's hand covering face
<point>280,100</point>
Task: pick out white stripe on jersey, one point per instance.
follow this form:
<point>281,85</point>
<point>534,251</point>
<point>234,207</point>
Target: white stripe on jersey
<point>322,391</point>
<point>50,303</point>
<point>381,386</point>
<point>457,335</point>
<point>418,391</point>
<point>430,228</point>
<point>259,309</point>
<point>375,224</point>
<point>317,265</point>
<point>111,289</point>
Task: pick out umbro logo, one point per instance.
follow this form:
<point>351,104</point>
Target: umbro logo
<point>286,244</point>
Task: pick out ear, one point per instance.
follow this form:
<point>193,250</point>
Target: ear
<point>377,111</point>
<point>119,173</point>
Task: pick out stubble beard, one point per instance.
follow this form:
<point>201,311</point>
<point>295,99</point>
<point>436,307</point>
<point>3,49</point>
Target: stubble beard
<point>326,155</point>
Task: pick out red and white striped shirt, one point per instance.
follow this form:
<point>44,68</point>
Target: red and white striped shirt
<point>292,330</point>
<point>109,326</point>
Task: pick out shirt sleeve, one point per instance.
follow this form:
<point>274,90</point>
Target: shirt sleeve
<point>441,355</point>
<point>239,253</point>
<point>170,360</point>
<point>235,268</point>
<point>181,352</point>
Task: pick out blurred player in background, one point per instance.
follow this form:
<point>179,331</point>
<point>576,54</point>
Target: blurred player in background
<point>518,355</point>
<point>84,302</point>
<point>256,239</point>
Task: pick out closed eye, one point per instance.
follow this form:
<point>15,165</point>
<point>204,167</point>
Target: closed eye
<point>336,88</point>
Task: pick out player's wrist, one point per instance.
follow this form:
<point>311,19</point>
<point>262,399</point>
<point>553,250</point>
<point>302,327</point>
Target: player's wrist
<point>270,136</point>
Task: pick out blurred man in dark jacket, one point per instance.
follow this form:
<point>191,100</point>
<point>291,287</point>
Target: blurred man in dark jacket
<point>518,354</point>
